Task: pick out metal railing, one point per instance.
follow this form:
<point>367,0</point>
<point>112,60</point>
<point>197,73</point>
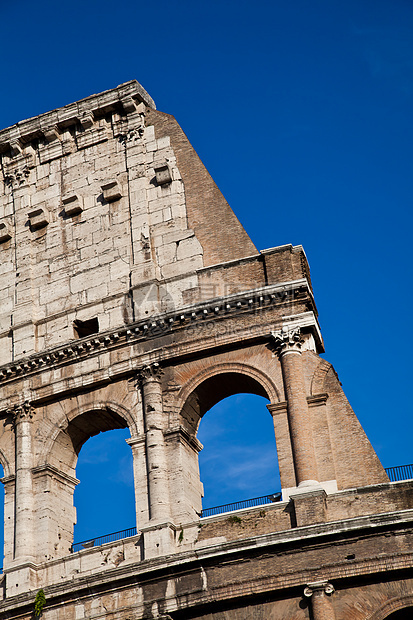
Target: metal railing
<point>401,472</point>
<point>101,540</point>
<point>246,503</point>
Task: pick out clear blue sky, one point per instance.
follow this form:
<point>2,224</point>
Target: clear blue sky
<point>302,112</point>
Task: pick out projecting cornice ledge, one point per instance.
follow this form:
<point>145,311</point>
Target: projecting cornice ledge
<point>247,302</point>
<point>299,538</point>
<point>122,98</point>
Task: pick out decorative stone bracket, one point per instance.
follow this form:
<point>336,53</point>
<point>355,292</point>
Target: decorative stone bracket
<point>86,120</point>
<point>72,205</point>
<point>38,218</point>
<point>111,191</point>
<point>163,173</point>
<point>5,234</point>
<point>51,133</point>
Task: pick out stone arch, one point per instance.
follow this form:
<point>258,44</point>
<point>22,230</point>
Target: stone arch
<point>57,466</point>
<point>213,384</point>
<point>317,382</point>
<point>5,464</point>
<point>78,425</point>
<point>391,607</point>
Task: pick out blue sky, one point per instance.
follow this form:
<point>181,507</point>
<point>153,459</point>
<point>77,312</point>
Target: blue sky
<point>301,112</point>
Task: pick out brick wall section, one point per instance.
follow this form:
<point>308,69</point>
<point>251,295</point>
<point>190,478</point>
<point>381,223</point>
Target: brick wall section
<point>341,444</point>
<point>367,500</point>
<point>216,226</point>
<point>357,464</point>
<point>309,508</point>
<point>243,524</point>
<point>299,417</point>
<point>285,263</point>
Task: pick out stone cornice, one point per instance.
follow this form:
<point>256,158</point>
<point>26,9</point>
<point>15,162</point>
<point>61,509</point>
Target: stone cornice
<point>301,537</point>
<point>180,433</point>
<point>120,98</point>
<point>276,408</point>
<point>51,470</point>
<point>157,326</point>
<point>317,399</point>
<point>313,401</point>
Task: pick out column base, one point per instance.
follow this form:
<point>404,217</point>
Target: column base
<point>307,486</point>
<point>21,576</point>
<point>159,540</point>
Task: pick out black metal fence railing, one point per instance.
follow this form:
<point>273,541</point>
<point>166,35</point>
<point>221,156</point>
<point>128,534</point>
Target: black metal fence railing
<point>101,540</point>
<point>401,472</point>
<point>246,503</point>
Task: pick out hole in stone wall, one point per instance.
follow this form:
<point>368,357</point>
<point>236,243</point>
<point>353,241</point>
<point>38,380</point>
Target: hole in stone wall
<point>105,498</point>
<point>239,460</point>
<point>85,328</point>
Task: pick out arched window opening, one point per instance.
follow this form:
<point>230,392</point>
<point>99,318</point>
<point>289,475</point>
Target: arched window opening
<point>401,614</point>
<point>104,498</point>
<point>239,459</point>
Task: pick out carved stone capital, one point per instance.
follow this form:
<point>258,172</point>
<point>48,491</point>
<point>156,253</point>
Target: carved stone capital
<point>318,586</point>
<point>286,340</point>
<point>21,412</point>
<point>151,372</point>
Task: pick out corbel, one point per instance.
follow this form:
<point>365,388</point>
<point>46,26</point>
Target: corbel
<point>38,218</point>
<point>111,191</point>
<point>15,148</point>
<point>163,173</point>
<point>129,105</point>
<point>72,204</point>
<point>86,120</point>
<point>4,232</point>
<point>51,133</point>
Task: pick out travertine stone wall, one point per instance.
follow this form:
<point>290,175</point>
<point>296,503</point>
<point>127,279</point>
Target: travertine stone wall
<point>133,298</point>
<point>94,221</point>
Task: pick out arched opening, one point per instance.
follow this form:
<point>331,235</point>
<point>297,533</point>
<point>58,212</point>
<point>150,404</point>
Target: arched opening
<point>239,459</point>
<point>91,449</point>
<point>214,389</point>
<point>401,614</point>
<point>104,498</point>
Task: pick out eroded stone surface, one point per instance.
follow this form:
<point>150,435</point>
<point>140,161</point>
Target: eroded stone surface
<point>132,297</point>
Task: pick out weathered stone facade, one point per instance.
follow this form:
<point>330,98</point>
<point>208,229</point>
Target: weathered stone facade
<point>132,297</point>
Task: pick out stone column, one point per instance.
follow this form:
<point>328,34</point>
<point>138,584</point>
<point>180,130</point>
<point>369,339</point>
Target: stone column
<point>320,594</point>
<point>288,344</point>
<point>138,446</point>
<point>158,486</point>
<point>24,497</point>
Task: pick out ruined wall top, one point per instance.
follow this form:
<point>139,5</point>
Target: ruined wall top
<point>122,97</point>
<point>107,217</point>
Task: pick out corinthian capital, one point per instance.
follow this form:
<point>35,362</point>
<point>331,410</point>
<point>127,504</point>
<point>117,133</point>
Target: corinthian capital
<point>286,340</point>
<point>148,373</point>
<point>318,586</point>
<point>23,411</point>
